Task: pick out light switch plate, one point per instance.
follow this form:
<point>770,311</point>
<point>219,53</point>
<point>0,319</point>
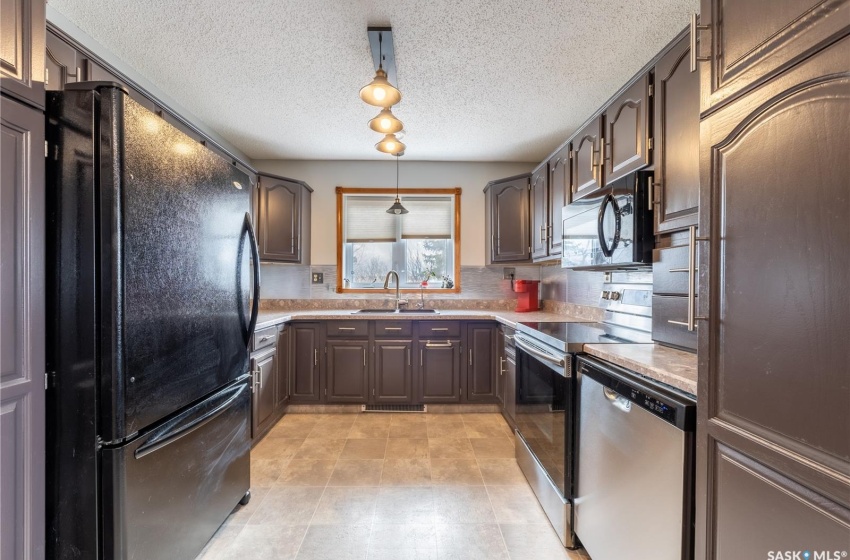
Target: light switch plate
<point>318,278</point>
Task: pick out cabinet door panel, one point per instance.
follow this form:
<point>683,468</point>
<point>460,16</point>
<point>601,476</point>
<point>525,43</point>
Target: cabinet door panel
<point>284,367</point>
<point>62,63</point>
<point>439,371</point>
<point>627,132</point>
<point>305,363</point>
<point>509,219</point>
<point>347,371</point>
<point>481,366</point>
<point>393,382</point>
<point>559,181</point>
<point>773,284</point>
<point>587,170</point>
<point>22,29</point>
<point>539,213</point>
<point>280,220</point>
<point>263,368</point>
<point>676,136</point>
<point>748,42</point>
<point>22,345</point>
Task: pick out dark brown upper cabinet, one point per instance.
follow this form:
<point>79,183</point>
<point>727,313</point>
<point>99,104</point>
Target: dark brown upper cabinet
<point>559,188</point>
<point>539,212</point>
<point>283,221</point>
<point>746,43</point>
<point>22,28</point>
<point>62,64</point>
<point>508,219</point>
<point>676,138</point>
<point>587,167</point>
<point>627,147</point>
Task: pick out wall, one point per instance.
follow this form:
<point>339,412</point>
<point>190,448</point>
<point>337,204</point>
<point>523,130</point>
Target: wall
<point>325,176</point>
<point>582,287</point>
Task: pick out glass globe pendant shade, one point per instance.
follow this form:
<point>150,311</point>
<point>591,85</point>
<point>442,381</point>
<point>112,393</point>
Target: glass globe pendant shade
<point>390,145</point>
<point>386,123</point>
<point>380,92</point>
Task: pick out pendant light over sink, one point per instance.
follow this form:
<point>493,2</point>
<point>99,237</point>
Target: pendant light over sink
<point>397,208</point>
<point>381,93</point>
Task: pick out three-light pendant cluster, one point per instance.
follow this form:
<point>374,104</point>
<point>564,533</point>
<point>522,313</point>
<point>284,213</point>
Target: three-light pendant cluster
<point>381,93</point>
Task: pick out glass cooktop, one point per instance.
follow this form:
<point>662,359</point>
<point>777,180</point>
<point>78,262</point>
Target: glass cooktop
<point>571,337</point>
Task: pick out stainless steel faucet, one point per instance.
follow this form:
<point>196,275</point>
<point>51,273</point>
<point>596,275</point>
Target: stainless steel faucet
<point>397,286</point>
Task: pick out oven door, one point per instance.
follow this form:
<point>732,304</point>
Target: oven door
<point>545,412</point>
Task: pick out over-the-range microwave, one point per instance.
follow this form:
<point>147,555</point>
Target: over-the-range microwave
<point>610,229</point>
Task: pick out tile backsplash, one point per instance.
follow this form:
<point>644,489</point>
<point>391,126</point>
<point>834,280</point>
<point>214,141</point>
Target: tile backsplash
<point>293,282</point>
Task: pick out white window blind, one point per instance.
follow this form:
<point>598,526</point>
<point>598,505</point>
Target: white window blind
<point>367,221</point>
<point>428,218</point>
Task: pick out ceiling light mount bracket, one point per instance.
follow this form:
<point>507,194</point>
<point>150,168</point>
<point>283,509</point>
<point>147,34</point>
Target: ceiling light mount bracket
<point>382,46</point>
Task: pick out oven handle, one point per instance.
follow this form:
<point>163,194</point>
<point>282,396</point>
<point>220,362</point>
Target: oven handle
<point>538,353</point>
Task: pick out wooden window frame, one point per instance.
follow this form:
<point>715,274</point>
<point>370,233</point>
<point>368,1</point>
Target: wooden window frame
<point>341,191</point>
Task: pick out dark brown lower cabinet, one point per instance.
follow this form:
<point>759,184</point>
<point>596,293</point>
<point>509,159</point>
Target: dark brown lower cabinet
<point>305,362</point>
<point>482,369</point>
<point>284,366</point>
<point>439,371</point>
<point>348,371</point>
<point>264,369</point>
<point>392,381</point>
<point>773,438</point>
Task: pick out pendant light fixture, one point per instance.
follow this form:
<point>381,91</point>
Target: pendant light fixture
<point>391,145</point>
<point>397,208</point>
<point>380,92</point>
<point>386,122</point>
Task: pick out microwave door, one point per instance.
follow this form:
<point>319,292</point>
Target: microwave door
<point>581,246</point>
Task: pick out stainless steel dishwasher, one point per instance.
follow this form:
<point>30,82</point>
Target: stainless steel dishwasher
<point>635,466</point>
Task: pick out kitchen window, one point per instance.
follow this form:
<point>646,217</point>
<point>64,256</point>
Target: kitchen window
<point>423,246</point>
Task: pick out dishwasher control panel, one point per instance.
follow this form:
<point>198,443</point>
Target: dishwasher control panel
<point>653,405</point>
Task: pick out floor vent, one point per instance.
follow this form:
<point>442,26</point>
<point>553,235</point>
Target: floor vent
<point>394,408</point>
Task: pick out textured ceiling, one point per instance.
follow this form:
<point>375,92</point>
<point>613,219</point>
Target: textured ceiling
<point>483,80</point>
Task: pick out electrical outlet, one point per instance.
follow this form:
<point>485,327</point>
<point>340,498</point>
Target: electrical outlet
<point>318,278</point>
<point>508,273</point>
<point>607,278</point>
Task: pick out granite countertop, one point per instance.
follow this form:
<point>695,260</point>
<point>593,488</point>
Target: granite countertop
<point>667,365</point>
<point>509,318</point>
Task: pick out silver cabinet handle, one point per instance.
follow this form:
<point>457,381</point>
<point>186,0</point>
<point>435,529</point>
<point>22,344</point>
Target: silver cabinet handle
<point>692,281</point>
<point>421,354</point>
<point>470,356</point>
<point>695,29</point>
<point>435,329</point>
<point>345,328</point>
<point>392,328</point>
<point>408,356</point>
<point>430,344</point>
<point>501,366</point>
<point>509,336</point>
<point>315,356</point>
<point>364,356</point>
<point>264,338</point>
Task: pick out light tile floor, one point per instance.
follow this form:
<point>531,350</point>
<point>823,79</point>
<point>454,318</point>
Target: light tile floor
<point>388,487</point>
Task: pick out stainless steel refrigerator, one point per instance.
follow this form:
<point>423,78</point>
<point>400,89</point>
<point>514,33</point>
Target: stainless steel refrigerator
<point>153,284</point>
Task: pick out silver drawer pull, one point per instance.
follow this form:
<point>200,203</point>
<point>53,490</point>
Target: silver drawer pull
<point>392,328</point>
<point>345,328</point>
<point>439,328</point>
<point>430,344</point>
<point>265,338</point>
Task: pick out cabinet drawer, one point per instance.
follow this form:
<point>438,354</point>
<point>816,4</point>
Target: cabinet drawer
<point>348,328</point>
<point>670,271</point>
<point>393,328</point>
<point>265,337</point>
<point>672,308</point>
<point>439,329</point>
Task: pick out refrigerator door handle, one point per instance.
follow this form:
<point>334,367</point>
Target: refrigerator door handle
<point>255,260</point>
<point>176,432</point>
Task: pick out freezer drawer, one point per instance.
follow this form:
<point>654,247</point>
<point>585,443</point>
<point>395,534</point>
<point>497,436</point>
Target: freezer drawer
<point>166,493</point>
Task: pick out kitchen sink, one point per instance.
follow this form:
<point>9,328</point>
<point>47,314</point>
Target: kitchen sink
<point>387,311</point>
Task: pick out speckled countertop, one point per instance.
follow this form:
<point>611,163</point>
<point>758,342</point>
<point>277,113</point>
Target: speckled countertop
<point>667,365</point>
<point>509,318</point>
